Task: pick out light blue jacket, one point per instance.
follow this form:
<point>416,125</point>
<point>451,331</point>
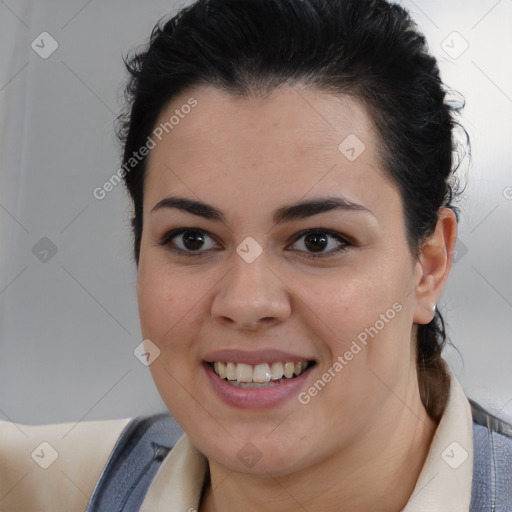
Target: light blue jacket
<point>146,441</point>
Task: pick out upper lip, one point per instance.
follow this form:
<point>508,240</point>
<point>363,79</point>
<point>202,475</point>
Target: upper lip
<point>254,357</point>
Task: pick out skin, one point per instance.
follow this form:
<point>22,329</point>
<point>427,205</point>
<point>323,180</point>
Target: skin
<point>363,439</point>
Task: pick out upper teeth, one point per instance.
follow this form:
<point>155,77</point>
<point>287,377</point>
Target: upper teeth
<point>259,373</point>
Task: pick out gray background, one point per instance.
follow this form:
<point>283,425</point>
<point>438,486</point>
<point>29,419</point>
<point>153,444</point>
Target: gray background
<point>69,326</point>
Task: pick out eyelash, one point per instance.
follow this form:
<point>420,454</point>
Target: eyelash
<point>168,237</point>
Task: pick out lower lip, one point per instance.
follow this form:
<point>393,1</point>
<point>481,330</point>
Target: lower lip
<point>255,398</point>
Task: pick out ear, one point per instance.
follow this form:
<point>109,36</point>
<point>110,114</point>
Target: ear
<point>434,265</point>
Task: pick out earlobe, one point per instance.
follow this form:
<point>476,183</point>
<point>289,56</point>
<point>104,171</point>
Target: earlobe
<point>434,265</point>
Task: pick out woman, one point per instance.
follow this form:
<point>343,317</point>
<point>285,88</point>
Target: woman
<point>290,166</point>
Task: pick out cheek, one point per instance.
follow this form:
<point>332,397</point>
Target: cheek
<point>346,303</point>
<point>364,318</point>
<point>171,313</point>
<point>167,298</point>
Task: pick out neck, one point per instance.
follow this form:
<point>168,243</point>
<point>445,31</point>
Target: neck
<point>377,472</point>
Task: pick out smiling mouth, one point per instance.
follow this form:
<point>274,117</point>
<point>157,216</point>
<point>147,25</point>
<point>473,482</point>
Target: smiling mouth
<point>259,376</point>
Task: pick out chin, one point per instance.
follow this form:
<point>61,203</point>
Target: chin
<point>258,455</point>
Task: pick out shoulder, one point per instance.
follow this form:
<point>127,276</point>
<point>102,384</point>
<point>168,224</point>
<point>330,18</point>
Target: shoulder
<point>492,464</point>
<point>483,417</point>
<point>54,466</point>
<point>134,462</point>
<point>491,432</point>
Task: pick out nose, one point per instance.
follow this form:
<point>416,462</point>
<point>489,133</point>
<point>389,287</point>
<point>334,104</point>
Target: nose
<point>251,296</point>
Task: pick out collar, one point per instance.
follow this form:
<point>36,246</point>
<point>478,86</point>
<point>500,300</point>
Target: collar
<point>444,482</point>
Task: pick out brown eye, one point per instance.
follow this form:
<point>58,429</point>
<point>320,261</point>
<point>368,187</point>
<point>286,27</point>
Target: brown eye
<point>188,241</point>
<point>315,242</point>
<point>192,240</point>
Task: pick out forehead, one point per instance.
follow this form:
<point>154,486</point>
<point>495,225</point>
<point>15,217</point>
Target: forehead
<point>290,143</point>
<point>297,117</point>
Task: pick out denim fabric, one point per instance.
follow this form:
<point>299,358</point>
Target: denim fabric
<point>146,441</point>
<point>133,463</point>
<point>492,467</point>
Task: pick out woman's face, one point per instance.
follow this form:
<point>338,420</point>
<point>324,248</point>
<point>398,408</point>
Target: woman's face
<point>262,281</point>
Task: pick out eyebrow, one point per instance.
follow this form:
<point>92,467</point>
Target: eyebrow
<point>283,214</point>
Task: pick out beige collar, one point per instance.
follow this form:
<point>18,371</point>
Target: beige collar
<point>445,480</point>
<point>444,483</point>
